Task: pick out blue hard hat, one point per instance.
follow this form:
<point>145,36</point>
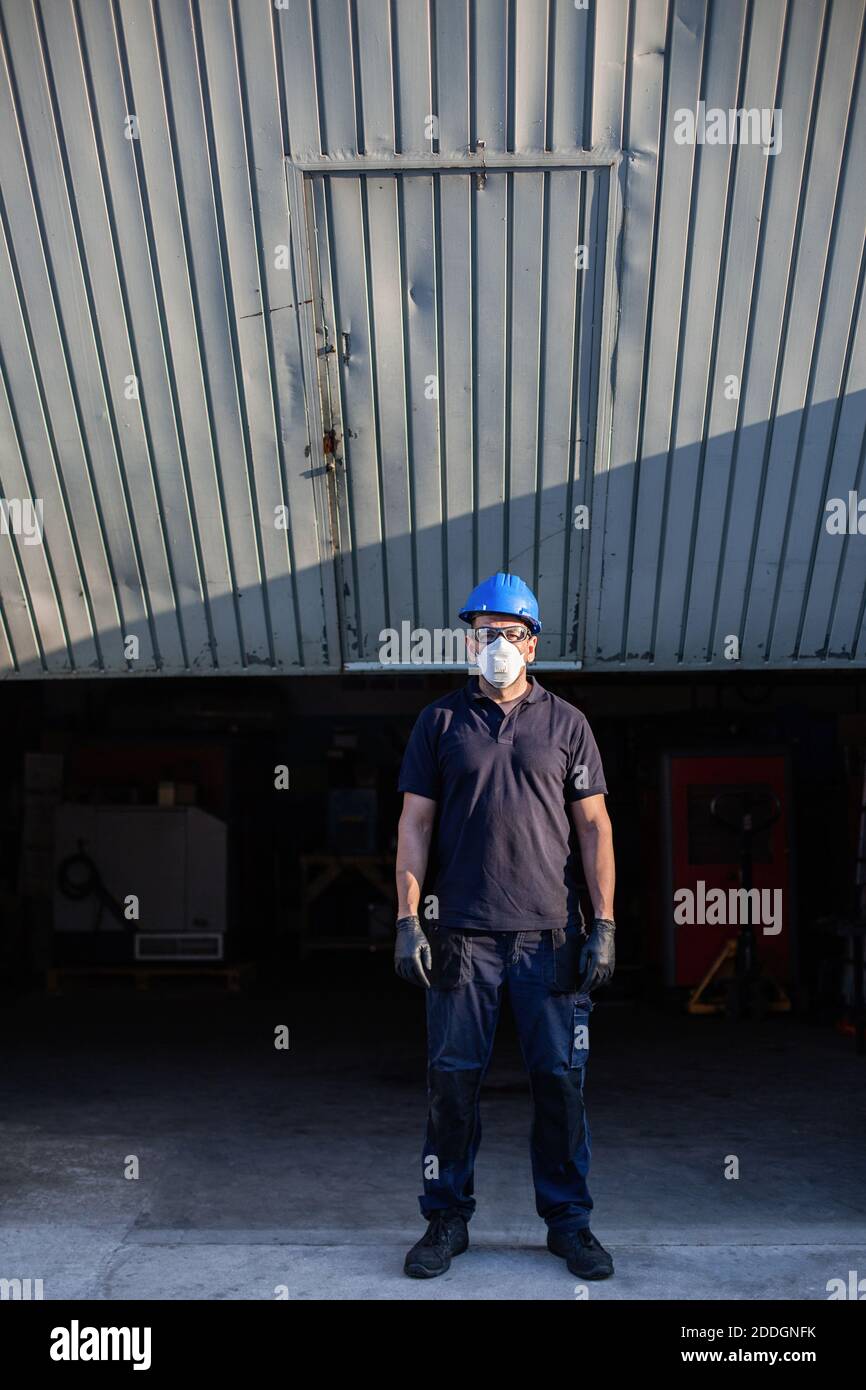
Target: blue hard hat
<point>503,593</point>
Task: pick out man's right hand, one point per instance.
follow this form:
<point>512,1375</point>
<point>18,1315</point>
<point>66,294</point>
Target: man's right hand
<point>412,955</point>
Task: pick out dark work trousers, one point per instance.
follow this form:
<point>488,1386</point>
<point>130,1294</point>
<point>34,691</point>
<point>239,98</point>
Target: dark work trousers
<point>469,970</point>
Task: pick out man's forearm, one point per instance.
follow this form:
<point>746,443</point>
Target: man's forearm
<point>413,849</point>
<point>596,852</point>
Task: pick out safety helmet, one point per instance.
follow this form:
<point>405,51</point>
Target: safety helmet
<point>503,593</point>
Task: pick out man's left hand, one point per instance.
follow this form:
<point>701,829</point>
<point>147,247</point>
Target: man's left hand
<point>597,956</point>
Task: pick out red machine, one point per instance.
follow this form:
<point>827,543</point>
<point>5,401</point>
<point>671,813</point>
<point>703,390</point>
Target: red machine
<point>727,831</point>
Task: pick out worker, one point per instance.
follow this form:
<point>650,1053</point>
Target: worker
<point>509,779</point>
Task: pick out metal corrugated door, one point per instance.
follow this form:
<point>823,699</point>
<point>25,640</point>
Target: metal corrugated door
<point>458,331</point>
<point>152,391</point>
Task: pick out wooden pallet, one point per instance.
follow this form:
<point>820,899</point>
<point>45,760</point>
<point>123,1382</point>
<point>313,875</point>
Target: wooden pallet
<point>233,977</point>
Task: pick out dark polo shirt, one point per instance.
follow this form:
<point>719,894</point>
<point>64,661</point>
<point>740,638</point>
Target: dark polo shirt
<point>506,848</point>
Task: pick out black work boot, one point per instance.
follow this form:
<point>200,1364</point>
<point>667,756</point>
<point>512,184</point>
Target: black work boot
<point>446,1235</point>
<point>585,1256</point>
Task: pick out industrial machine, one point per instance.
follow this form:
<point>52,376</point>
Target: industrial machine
<point>154,873</point>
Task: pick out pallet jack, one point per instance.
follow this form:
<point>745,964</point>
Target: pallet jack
<point>736,983</point>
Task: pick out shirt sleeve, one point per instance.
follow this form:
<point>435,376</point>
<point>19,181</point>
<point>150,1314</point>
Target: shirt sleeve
<point>419,772</point>
<point>585,775</point>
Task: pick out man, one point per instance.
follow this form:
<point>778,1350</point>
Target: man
<point>510,778</point>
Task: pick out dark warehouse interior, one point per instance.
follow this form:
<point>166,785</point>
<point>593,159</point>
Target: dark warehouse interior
<point>316,1146</point>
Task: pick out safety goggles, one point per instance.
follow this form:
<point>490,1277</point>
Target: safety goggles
<point>485,635</point>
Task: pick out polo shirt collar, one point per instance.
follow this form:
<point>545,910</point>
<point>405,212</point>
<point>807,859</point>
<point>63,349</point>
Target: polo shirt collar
<point>474,691</point>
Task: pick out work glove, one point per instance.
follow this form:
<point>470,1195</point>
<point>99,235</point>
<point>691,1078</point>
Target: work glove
<point>412,952</point>
<point>597,955</point>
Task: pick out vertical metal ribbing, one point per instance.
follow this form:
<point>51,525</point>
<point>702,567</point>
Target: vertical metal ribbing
<point>99,352</point>
<point>574,412</point>
<point>845,171</point>
<point>714,345</point>
<point>37,374</point>
<point>653,260</point>
<point>13,415</point>
<point>747,355</point>
<point>231,316</point>
<point>681,332</point>
<point>440,374</point>
<point>168,357</point>
<point>124,292</point>
<point>326,254</point>
<point>194,301</point>
<point>786,317</point>
<point>279,446</point>
<point>540,400</point>
<point>374,393</point>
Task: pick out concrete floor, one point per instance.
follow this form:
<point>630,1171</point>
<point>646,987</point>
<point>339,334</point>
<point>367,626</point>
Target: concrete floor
<point>261,1169</point>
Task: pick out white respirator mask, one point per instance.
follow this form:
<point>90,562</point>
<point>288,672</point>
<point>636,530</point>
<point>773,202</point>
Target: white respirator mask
<point>500,663</point>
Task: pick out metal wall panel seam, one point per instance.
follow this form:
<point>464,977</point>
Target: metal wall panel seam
<point>106,482</point>
<point>301,253</point>
<point>831,449</point>
<point>37,371</point>
<point>231,320</point>
<point>420,292</point>
<point>129,326</point>
<point>102,365</point>
<point>354,63</point>
<point>282,574</point>
<point>783,339</point>
<point>271,447</point>
<point>191,421</point>
<point>480,160</point>
<point>374,396</point>
<point>680,357</point>
<point>337,506</point>
<point>849,444</point>
<point>830,267</point>
<point>781,215</point>
<point>32,490</point>
<point>744,361</point>
<point>649,474</point>
<point>167,355</point>
<point>609,70</point>
<point>804,356</point>
<point>543,277</point>
<point>610,214</point>
<point>508,343</point>
<point>26,598</point>
<point>717,316</point>
<point>439,310</point>
<point>647,330</point>
<point>348,548</point>
<point>575,414</point>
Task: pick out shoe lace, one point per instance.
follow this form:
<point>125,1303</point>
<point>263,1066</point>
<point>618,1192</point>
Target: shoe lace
<point>438,1232</point>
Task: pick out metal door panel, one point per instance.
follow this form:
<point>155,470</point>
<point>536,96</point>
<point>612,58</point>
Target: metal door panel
<point>459,338</point>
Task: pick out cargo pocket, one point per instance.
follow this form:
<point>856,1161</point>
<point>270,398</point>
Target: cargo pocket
<point>451,953</point>
<point>563,959</point>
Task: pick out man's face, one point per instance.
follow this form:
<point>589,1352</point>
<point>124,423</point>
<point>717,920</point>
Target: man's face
<point>486,627</point>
